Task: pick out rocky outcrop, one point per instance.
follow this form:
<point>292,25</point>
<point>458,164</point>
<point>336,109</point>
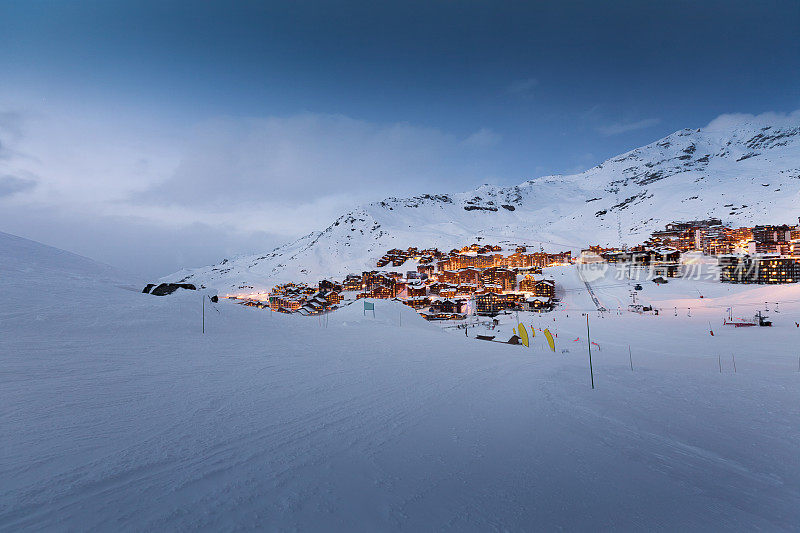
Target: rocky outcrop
<point>167,288</point>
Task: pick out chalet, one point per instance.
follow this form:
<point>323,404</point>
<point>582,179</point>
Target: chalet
<point>779,270</point>
<point>372,281</point>
<point>770,239</point>
<point>468,275</point>
<point>352,283</point>
<point>328,285</point>
<point>382,291</point>
<point>426,269</point>
<point>665,254</point>
<point>254,303</point>
<point>491,303</point>
<point>415,290</point>
<point>636,258</point>
<point>490,287</point>
<point>448,276</point>
<point>682,235</point>
<point>542,288</point>
<point>287,303</point>
<point>665,261</point>
<point>499,275</point>
<point>767,269</point>
<point>528,270</point>
<point>418,302</point>
<point>527,283</point>
<point>312,307</point>
<point>400,286</point>
<point>447,305</point>
<point>465,289</point>
<point>437,315</point>
<point>545,288</point>
<point>537,304</point>
<point>543,259</point>
<point>714,240</point>
<point>615,256</point>
<point>332,297</point>
<point>448,291</point>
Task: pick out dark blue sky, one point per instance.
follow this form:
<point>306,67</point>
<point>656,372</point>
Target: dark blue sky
<point>506,90</point>
<point>451,65</point>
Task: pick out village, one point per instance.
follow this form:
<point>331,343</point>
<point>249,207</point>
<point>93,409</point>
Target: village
<point>487,280</point>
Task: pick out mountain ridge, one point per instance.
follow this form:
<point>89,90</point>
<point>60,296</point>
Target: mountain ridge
<point>744,174</point>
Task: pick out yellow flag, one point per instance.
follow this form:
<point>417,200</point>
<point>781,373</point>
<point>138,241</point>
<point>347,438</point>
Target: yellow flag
<point>533,331</point>
<point>523,335</point>
<point>550,340</point>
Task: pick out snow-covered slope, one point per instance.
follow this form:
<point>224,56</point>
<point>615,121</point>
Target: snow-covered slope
<point>744,175</point>
<point>44,288</point>
<point>22,258</point>
<point>117,413</point>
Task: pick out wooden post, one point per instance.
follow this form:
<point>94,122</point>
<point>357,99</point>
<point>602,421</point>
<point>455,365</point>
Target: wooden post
<point>630,357</point>
<point>719,360</point>
<point>589,340</point>
<point>204,314</point>
<point>734,363</point>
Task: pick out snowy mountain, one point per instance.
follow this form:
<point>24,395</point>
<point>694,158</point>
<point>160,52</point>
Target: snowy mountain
<point>48,288</point>
<point>24,263</point>
<point>744,174</point>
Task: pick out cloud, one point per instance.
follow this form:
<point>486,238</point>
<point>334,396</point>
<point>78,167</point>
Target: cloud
<point>10,132</point>
<point>139,245</point>
<point>300,159</point>
<point>624,127</point>
<point>483,138</point>
<point>771,118</point>
<point>255,181</point>
<point>11,185</point>
<point>523,87</point>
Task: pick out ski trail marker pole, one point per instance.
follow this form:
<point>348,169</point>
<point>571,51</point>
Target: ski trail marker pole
<point>591,369</point>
